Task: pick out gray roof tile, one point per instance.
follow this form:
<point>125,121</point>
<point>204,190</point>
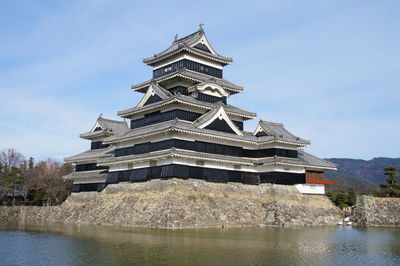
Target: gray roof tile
<point>279,131</point>
<point>163,93</point>
<point>96,174</point>
<point>90,155</point>
<point>303,161</point>
<point>185,44</point>
<point>191,75</point>
<point>230,109</point>
<point>313,160</point>
<point>188,127</point>
<point>207,116</point>
<point>109,127</point>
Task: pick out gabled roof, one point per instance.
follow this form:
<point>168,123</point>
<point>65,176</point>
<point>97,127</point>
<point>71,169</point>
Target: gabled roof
<point>188,100</point>
<point>193,76</point>
<point>154,89</point>
<point>195,43</point>
<point>277,130</point>
<point>217,113</point>
<point>105,127</point>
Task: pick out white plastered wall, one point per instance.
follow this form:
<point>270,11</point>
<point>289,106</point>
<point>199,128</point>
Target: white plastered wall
<point>311,188</point>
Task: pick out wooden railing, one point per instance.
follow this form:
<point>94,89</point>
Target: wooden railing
<point>318,180</point>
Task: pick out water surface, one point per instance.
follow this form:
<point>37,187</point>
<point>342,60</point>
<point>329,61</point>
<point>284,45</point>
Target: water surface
<point>55,244</point>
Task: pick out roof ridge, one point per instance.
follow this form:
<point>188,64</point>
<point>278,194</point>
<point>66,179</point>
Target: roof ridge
<point>162,90</point>
<point>111,120</point>
<point>186,37</point>
<point>208,113</point>
<point>271,123</point>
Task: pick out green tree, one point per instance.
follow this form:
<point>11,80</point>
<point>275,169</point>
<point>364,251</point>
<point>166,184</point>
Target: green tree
<point>2,181</point>
<point>331,195</point>
<point>341,199</point>
<point>15,180</point>
<point>392,187</point>
<point>31,163</point>
<point>351,196</point>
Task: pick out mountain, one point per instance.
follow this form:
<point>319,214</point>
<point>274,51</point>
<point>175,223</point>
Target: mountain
<point>364,175</point>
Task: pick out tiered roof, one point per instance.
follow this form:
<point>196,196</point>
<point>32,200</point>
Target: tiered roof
<point>304,159</point>
<point>217,122</point>
<point>185,100</point>
<point>188,128</point>
<point>190,75</point>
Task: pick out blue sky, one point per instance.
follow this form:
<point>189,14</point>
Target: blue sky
<point>328,70</point>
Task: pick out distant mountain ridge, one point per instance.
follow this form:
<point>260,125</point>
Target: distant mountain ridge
<point>365,175</point>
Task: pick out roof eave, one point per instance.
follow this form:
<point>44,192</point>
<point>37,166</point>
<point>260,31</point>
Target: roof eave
<point>125,113</point>
<point>151,61</point>
<point>91,135</point>
<point>142,86</point>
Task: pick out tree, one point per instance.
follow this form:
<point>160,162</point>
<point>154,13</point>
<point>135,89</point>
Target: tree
<point>391,172</point>
<point>14,181</point>
<point>351,196</point>
<point>41,182</point>
<point>49,187</point>
<point>341,200</point>
<point>30,178</point>
<point>2,181</point>
<point>11,158</point>
<point>331,195</point>
<point>392,187</point>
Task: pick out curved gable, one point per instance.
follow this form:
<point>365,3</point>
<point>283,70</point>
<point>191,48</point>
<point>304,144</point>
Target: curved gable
<point>154,94</point>
<point>217,119</point>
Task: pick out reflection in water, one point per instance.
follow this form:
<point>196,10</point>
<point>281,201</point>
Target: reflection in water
<point>56,244</point>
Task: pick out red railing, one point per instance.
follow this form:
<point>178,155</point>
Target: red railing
<point>318,180</point>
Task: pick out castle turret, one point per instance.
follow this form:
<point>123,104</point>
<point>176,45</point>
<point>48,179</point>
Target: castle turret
<point>184,127</point>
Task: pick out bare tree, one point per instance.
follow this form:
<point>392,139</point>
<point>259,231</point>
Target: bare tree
<point>11,158</point>
<point>11,176</point>
<point>49,181</point>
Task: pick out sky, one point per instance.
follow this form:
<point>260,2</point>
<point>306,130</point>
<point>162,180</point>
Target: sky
<point>328,70</point>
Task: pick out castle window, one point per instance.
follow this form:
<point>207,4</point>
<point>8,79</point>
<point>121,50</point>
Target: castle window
<point>191,65</point>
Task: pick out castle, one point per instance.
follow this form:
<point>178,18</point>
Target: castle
<point>184,128</point>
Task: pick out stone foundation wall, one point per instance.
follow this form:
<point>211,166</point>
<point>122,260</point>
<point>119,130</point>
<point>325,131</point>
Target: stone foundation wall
<point>374,211</point>
<point>177,203</point>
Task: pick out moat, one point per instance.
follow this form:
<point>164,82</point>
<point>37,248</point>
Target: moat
<point>57,244</point>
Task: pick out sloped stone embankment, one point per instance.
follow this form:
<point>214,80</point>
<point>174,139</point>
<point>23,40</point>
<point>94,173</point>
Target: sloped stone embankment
<point>374,211</point>
<point>177,203</point>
